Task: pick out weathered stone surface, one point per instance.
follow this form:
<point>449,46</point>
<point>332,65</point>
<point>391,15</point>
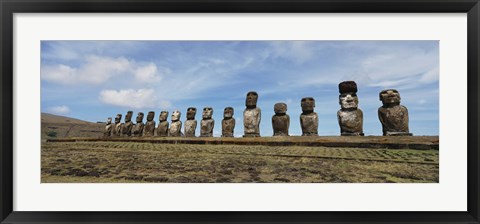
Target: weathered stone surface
<point>207,123</point>
<point>392,115</point>
<point>138,128</point>
<point>308,118</point>
<point>350,117</point>
<point>117,130</point>
<point>251,116</point>
<point>149,129</point>
<point>351,122</point>
<point>372,142</point>
<point>127,126</point>
<point>281,120</point>
<point>108,128</point>
<point>163,125</point>
<point>191,123</point>
<point>176,126</point>
<point>228,122</point>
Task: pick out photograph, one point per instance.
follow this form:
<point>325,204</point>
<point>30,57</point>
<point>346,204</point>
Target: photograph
<point>247,111</point>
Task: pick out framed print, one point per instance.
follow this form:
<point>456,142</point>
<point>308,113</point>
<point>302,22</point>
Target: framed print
<point>263,112</point>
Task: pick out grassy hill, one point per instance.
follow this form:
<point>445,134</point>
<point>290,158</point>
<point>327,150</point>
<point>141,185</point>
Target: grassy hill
<point>54,126</point>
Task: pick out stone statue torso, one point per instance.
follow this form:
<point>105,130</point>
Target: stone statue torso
<point>118,129</point>
<point>176,129</point>
<point>280,125</point>
<point>149,128</point>
<point>127,128</point>
<point>309,123</point>
<point>162,129</point>
<point>251,121</point>
<point>394,119</point>
<point>207,128</point>
<point>108,129</point>
<point>138,129</point>
<point>350,121</point>
<point>190,127</point>
<point>228,125</point>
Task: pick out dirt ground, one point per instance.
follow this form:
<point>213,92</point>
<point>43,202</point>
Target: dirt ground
<point>125,162</point>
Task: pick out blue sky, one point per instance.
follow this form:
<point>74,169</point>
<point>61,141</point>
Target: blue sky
<point>93,80</point>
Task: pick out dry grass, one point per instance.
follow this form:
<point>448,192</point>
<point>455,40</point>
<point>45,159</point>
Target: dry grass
<point>54,126</point>
<point>113,162</point>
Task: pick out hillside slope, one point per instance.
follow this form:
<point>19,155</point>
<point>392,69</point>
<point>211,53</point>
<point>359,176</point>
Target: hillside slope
<point>54,126</point>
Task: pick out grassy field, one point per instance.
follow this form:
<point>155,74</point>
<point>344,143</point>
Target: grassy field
<point>54,126</point>
<point>113,162</point>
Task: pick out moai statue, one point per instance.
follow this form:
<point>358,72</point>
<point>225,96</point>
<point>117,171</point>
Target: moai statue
<point>251,116</point>
<point>162,129</point>
<point>281,120</point>
<point>191,123</point>
<point>207,123</point>
<point>308,118</point>
<point>117,130</point>
<point>138,128</point>
<point>350,117</point>
<point>228,122</point>
<point>392,115</point>
<point>127,126</point>
<point>176,127</point>
<point>108,128</point>
<point>149,129</point>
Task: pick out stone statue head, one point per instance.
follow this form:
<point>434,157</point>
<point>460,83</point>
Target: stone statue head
<point>207,113</point>
<point>150,115</point>
<point>191,112</point>
<point>228,113</point>
<point>308,103</point>
<point>118,118</point>
<point>251,101</point>
<point>109,120</point>
<point>163,115</point>
<point>348,100</point>
<point>176,115</point>
<point>390,97</point>
<point>348,95</point>
<point>128,117</point>
<point>139,117</point>
<point>280,108</point>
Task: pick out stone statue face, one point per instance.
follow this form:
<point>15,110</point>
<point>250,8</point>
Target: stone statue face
<point>176,115</point>
<point>163,115</point>
<point>150,116</point>
<point>207,113</point>
<point>251,100</point>
<point>118,118</point>
<point>348,100</point>
<point>308,103</point>
<point>390,96</point>
<point>128,117</point>
<point>280,108</point>
<point>228,113</point>
<point>191,112</point>
<point>109,120</point>
<point>139,117</point>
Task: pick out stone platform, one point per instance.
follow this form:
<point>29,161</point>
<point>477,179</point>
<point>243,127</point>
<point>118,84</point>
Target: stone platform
<point>388,142</point>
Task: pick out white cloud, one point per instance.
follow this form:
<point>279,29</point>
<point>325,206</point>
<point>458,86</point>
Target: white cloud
<point>60,110</point>
<point>401,67</point>
<point>98,70</point>
<point>165,104</point>
<point>59,73</point>
<point>430,76</point>
<point>150,73</point>
<point>297,51</point>
<point>130,98</point>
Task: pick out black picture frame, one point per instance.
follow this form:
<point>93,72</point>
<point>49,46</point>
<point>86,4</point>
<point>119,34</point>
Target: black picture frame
<point>9,7</point>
